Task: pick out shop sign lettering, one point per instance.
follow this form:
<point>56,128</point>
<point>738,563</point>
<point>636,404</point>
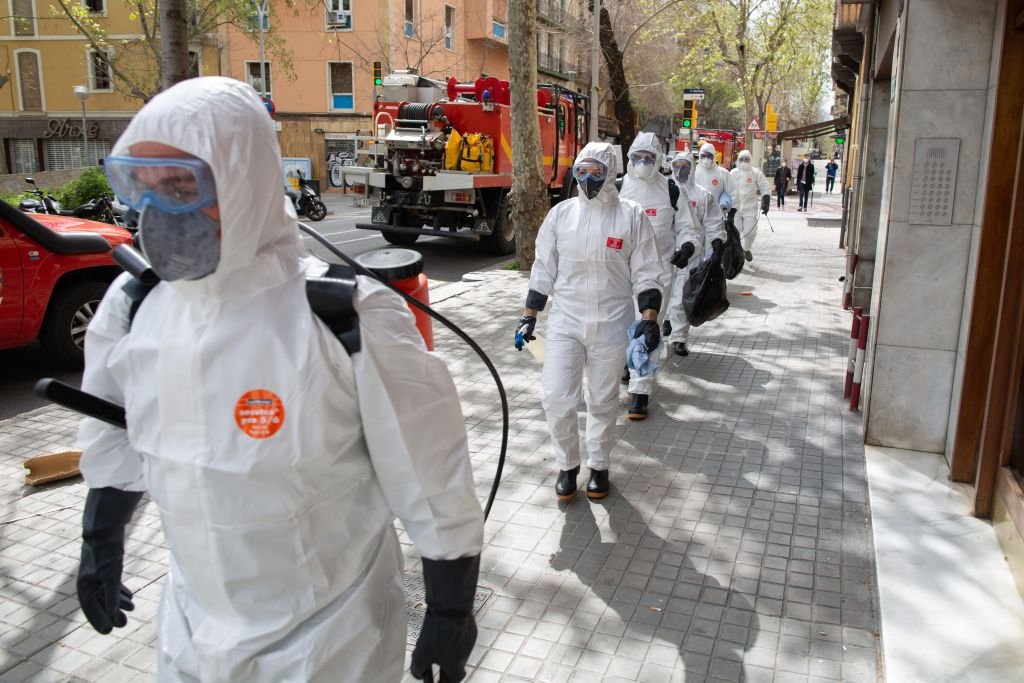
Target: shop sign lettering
<point>63,128</point>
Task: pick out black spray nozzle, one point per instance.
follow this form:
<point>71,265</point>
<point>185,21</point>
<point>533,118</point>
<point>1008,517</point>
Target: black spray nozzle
<point>77,400</point>
<point>136,264</point>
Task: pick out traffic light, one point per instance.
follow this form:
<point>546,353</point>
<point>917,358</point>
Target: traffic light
<point>840,137</point>
<point>689,113</point>
<point>771,119</point>
<point>377,75</point>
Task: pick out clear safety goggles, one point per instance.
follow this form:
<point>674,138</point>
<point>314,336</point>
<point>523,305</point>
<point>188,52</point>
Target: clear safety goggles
<point>589,168</point>
<point>174,185</point>
<point>707,155</point>
<point>680,162</point>
<point>642,158</point>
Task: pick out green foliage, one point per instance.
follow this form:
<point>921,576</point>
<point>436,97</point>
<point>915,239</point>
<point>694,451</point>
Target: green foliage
<point>514,265</point>
<point>88,186</point>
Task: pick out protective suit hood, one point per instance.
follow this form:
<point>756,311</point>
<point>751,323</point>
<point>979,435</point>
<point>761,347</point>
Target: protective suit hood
<point>691,181</point>
<point>647,142</point>
<point>220,121</point>
<point>601,151</point>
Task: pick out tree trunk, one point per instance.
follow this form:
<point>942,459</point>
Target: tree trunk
<point>624,113</point>
<point>173,41</point>
<point>529,196</point>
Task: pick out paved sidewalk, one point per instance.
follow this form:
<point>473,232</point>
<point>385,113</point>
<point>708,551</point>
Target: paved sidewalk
<point>735,545</point>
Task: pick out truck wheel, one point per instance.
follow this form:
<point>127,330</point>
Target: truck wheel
<point>71,310</point>
<point>402,239</point>
<point>502,240</point>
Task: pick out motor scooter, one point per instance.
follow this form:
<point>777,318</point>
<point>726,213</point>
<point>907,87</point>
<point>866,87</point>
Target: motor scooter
<point>307,202</point>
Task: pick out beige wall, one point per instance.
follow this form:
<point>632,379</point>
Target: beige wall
<point>376,34</point>
<point>922,272</point>
<point>62,55</point>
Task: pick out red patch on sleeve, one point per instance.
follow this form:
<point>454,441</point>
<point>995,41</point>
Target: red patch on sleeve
<point>614,243</point>
<point>651,212</point>
<point>714,182</point>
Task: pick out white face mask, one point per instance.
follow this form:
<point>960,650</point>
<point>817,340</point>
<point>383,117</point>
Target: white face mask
<point>707,164</point>
<point>643,171</point>
<point>744,165</point>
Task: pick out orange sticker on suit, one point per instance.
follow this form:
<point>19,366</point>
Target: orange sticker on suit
<point>259,413</point>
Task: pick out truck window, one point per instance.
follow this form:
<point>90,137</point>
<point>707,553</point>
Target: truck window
<point>562,117</point>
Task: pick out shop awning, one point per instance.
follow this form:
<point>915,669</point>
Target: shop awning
<point>815,129</point>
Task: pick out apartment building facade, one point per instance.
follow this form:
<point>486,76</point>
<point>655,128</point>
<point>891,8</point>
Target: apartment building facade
<point>43,57</point>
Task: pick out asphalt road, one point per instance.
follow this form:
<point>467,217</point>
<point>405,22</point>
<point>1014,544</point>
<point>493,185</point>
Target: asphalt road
<point>444,260</point>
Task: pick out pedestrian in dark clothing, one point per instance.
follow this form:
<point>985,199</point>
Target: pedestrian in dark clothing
<point>830,175</point>
<point>783,174</point>
<point>804,181</point>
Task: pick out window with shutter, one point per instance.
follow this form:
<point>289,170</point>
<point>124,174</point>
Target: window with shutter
<point>23,13</point>
<point>28,80</point>
<point>23,156</point>
<point>342,98</point>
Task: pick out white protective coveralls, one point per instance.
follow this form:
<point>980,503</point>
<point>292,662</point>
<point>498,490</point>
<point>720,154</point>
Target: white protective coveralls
<point>594,256</point>
<point>284,560</point>
<point>652,194</point>
<point>750,186</point>
<point>699,222</point>
<point>717,179</point>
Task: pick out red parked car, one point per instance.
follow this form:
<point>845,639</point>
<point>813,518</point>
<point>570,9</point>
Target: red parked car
<point>53,272</point>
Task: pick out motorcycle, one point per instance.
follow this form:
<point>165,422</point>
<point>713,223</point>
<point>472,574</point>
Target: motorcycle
<point>46,203</point>
<point>307,202</point>
<point>99,209</point>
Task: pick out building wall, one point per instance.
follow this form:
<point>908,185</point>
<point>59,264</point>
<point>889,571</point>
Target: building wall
<point>921,271</point>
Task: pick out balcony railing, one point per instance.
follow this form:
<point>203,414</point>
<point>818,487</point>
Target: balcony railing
<point>555,11</point>
<point>552,63</point>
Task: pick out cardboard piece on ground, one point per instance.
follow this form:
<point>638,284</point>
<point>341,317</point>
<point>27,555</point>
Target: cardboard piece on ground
<point>43,469</point>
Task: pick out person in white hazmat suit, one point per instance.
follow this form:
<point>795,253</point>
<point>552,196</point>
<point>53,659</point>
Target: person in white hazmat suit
<point>278,462</point>
<point>654,192</point>
<point>595,255</point>
<point>714,178</point>
<point>700,233</point>
<point>751,189</point>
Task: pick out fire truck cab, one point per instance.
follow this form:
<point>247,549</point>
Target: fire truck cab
<point>446,167</point>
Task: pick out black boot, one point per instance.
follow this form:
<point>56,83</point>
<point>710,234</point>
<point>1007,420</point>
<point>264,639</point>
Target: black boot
<point>637,407</point>
<point>625,375</point>
<point>565,486</point>
<point>666,329</point>
<point>680,348</point>
<point>597,487</point>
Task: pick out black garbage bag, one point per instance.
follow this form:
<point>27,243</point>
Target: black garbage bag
<point>704,296</point>
<point>732,252</point>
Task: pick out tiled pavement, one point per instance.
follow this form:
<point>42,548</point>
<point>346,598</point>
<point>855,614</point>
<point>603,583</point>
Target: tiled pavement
<point>735,545</point>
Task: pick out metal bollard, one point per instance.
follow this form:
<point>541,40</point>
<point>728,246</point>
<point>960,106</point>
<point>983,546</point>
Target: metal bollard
<point>851,359</point>
<point>858,371</point>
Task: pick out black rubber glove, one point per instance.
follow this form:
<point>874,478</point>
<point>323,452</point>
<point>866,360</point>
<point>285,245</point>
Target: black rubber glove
<point>731,218</point>
<point>682,255</point>
<point>104,599</point>
<point>449,629</point>
<point>766,201</point>
<point>648,329</point>
<point>530,322</point>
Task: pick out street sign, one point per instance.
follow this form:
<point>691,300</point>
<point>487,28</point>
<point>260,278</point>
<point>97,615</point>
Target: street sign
<point>753,125</point>
<point>693,93</point>
<point>269,104</point>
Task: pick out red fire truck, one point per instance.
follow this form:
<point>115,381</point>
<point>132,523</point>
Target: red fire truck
<point>446,167</point>
<point>727,143</point>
